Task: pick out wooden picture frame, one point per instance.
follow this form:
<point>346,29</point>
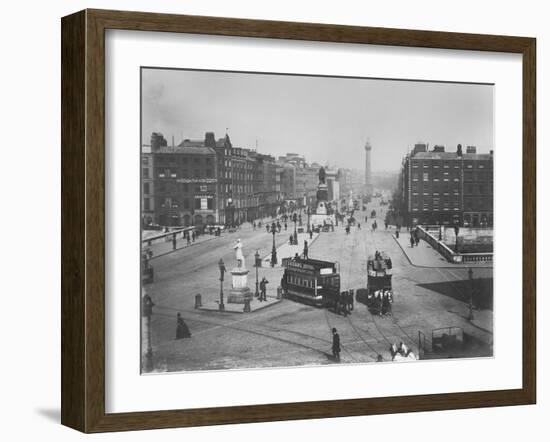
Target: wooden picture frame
<point>83,219</point>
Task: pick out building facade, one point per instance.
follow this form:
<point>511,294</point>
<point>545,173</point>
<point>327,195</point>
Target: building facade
<point>449,188</point>
<point>179,184</point>
<point>210,181</point>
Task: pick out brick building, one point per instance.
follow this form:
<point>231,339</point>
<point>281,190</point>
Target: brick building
<point>178,183</point>
<point>447,187</point>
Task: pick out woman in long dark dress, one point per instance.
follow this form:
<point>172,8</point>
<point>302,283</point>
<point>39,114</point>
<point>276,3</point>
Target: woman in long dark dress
<point>182,331</point>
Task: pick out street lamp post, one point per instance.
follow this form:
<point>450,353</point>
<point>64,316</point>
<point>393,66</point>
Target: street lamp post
<point>257,264</point>
<point>273,249</point>
<point>221,265</point>
<point>295,218</point>
<point>147,312</point>
<point>471,303</point>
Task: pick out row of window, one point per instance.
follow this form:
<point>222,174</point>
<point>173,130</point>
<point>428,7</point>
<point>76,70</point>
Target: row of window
<point>183,173</point>
<point>298,280</point>
<point>452,165</point>
<point>198,203</point>
<point>181,187</point>
<point>178,159</point>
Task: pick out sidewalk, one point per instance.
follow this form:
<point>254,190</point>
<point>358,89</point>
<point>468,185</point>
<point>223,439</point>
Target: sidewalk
<point>211,292</point>
<point>162,247</point>
<point>424,255</point>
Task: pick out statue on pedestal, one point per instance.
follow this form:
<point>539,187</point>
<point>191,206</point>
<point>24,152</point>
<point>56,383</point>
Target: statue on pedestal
<point>240,292</point>
<point>322,175</point>
<point>238,247</point>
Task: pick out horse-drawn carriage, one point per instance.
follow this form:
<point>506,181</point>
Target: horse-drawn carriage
<point>378,296</point>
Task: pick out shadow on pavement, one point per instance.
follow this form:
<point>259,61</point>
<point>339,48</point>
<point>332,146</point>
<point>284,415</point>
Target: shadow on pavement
<point>460,291</point>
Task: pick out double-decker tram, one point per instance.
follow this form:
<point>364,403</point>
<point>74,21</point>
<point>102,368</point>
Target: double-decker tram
<point>378,296</point>
<point>311,281</point>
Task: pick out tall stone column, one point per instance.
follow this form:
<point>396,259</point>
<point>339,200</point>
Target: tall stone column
<point>368,171</point>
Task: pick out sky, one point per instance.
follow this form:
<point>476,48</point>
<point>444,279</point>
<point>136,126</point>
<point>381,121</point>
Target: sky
<point>326,119</point>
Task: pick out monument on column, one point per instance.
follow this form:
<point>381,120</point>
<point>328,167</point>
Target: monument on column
<point>323,215</point>
<point>322,193</point>
<point>368,171</point>
<point>240,291</point>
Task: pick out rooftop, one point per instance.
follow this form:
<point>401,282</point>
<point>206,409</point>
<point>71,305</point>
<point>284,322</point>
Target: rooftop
<point>191,150</point>
<point>450,156</point>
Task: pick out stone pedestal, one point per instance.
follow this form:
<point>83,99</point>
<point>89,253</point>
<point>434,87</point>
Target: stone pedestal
<point>322,192</point>
<point>240,291</point>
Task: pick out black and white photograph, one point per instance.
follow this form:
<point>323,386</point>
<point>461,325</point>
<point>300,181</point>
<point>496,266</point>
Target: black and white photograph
<point>304,220</point>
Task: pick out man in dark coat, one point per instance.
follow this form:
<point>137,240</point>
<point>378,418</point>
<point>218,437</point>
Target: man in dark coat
<point>182,331</point>
<point>263,289</point>
<point>306,250</point>
<point>336,345</point>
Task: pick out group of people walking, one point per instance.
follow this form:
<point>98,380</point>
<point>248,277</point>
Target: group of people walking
<point>344,303</point>
<point>415,238</point>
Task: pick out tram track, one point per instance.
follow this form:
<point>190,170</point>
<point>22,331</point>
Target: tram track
<point>348,317</point>
<point>403,333</point>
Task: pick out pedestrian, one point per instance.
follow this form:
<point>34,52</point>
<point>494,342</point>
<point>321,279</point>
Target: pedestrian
<point>335,345</point>
<point>263,289</point>
<point>310,234</point>
<point>416,239</point>
<point>278,227</point>
<point>358,226</point>
<point>283,285</point>
<point>188,238</point>
<point>219,232</point>
<point>182,331</point>
<point>174,242</point>
<point>193,235</point>
<point>285,226</point>
<point>397,233</point>
<point>350,300</point>
<point>267,227</point>
<point>344,302</point>
<point>148,305</point>
<point>253,225</point>
<point>412,241</point>
<point>291,239</point>
<point>306,256</point>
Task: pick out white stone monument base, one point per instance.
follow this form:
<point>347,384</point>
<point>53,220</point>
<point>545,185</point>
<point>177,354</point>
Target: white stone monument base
<point>240,291</point>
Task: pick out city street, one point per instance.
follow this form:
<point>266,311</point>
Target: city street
<point>290,333</point>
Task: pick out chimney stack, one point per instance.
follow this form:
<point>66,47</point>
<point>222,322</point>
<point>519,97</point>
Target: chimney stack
<point>209,139</point>
<point>157,141</point>
<point>459,150</point>
<point>471,149</point>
